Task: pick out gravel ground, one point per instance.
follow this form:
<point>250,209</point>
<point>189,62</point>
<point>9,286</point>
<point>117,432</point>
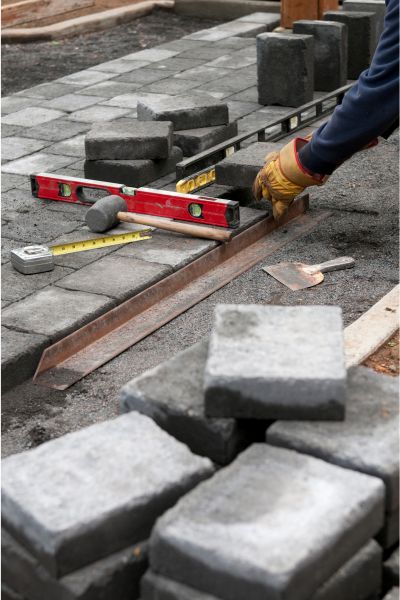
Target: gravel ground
<point>26,65</point>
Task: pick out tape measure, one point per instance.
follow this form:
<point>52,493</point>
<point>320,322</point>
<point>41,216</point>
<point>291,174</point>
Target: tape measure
<point>40,258</point>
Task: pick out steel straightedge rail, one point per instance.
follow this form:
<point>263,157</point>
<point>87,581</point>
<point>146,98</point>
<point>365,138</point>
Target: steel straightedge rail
<point>296,119</point>
<point>83,351</point>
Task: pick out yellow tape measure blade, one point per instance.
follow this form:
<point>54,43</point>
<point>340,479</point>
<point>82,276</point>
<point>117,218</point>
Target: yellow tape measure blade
<point>101,242</point>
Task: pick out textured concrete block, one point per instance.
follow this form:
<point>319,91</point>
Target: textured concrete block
<point>15,147</point>
<point>72,102</point>
<point>59,129</point>
<point>240,169</point>
<point>281,57</point>
<point>185,112</point>
<point>40,161</point>
<point>375,6</point>
<point>193,141</point>
<point>389,535</point>
<point>132,172</point>
<point>255,370</point>
<point>271,20</point>
<point>366,441</point>
<point>393,594</point>
<point>330,52</point>
<point>172,394</point>
<point>361,34</point>
<point>20,356</point>
<point>99,114</point>
<point>116,576</point>
<point>242,28</point>
<point>129,140</point>
<point>29,117</point>
<point>391,569</point>
<point>274,524</point>
<point>360,578</point>
<point>81,497</point>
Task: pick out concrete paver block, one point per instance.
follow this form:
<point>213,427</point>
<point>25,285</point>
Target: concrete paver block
<point>157,587</point>
<point>241,168</point>
<point>193,141</point>
<point>132,172</point>
<point>47,91</point>
<point>72,102</point>
<point>271,20</point>
<point>106,482</point>
<point>280,59</point>
<point>235,61</point>
<point>34,115</point>
<point>116,576</point>
<point>361,28</point>
<point>376,6</point>
<point>185,112</point>
<point>172,394</point>
<point>143,76</point>
<point>111,88</point>
<point>119,277</point>
<point>57,130</point>
<point>173,87</point>
<point>393,594</point>
<point>274,524</point>
<point>85,78</point>
<point>10,104</point>
<point>16,286</point>
<point>235,43</point>
<point>389,535</point>
<point>54,312</point>
<point>129,140</point>
<point>74,146</point>
<point>15,147</point>
<point>366,441</point>
<point>203,73</point>
<point>151,55</point>
<point>98,113</point>
<point>120,65</point>
<point>254,368</point>
<point>391,569</point>
<point>40,161</point>
<point>20,356</point>
<point>242,28</point>
<point>330,52</point>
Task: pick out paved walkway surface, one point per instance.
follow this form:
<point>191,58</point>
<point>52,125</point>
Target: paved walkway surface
<point>43,130</point>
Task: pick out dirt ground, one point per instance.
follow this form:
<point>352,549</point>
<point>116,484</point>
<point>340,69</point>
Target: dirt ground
<point>26,65</point>
<point>386,359</point>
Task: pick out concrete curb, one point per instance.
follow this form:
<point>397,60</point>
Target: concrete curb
<point>85,24</point>
<point>225,9</point>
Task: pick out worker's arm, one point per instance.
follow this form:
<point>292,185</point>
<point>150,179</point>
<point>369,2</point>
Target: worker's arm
<point>368,110</point>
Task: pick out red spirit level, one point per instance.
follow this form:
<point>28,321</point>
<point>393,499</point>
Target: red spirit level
<point>172,205</point>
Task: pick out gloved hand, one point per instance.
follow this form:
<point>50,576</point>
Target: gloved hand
<point>282,178</point>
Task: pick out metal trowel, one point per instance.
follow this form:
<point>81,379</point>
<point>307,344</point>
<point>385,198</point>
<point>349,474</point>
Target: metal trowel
<point>298,276</point>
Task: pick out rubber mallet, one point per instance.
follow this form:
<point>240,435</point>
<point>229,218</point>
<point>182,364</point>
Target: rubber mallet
<point>107,212</point>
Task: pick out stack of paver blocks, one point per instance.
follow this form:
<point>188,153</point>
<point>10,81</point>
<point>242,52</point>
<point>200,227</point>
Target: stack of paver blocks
<point>294,517</point>
<point>77,511</point>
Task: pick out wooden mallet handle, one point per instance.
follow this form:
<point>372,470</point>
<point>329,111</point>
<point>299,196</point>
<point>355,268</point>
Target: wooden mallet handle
<point>200,231</point>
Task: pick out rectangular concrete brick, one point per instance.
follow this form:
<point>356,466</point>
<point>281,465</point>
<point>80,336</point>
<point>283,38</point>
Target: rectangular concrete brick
<point>99,113</point>
<point>16,286</point>
<point>241,168</point>
<point>280,59</point>
<point>255,370</point>
<point>388,537</point>
<point>129,140</point>
<point>72,102</point>
<point>393,594</point>
<point>40,161</point>
<point>271,20</point>
<point>132,172</point>
<point>87,494</point>
<point>242,28</point>
<point>366,441</point>
<point>193,141</point>
<point>330,52</point>
<point>274,524</point>
<point>172,87</point>
<point>16,147</point>
<point>376,6</point>
<point>34,115</point>
<point>391,569</point>
<point>361,36</point>
<point>172,394</point>
<point>74,146</point>
<point>360,578</point>
<point>185,112</point>
<point>20,356</point>
<point>116,576</point>
<point>57,130</point>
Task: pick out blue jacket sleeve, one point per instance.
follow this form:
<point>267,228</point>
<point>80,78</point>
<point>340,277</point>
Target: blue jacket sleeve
<point>369,109</point>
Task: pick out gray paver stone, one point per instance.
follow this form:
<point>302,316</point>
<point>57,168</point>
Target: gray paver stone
<point>16,286</point>
<point>15,147</point>
<point>185,112</point>
<point>172,394</point>
<point>376,6</point>
<point>116,576</point>
<point>85,78</point>
<point>193,141</point>
<point>74,146</point>
<point>274,524</point>
<point>242,28</point>
<point>10,104</point>
<point>34,115</point>
<point>173,87</point>
<point>20,356</point>
<point>202,73</point>
<point>280,59</point>
<point>235,43</point>
<point>156,587</point>
<point>40,161</point>
<point>98,114</point>
<point>120,65</point>
<point>361,36</point>
<point>142,77</point>
<point>241,168</point>
<point>271,20</point>
<point>111,88</point>
<point>393,594</point>
<point>119,277</point>
<point>50,90</point>
<point>366,441</point>
<point>80,497</point>
<point>129,140</point>
<point>391,569</point>
<point>57,130</point>
<point>330,52</point>
<point>151,55</point>
<point>38,225</point>
<point>389,535</point>
<point>54,311</point>
<point>72,102</point>
<point>254,368</point>
<point>235,61</point>
<point>132,172</point>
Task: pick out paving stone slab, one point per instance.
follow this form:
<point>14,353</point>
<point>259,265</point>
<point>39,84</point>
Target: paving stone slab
<point>233,82</point>
<point>10,104</point>
<point>254,369</point>
<point>57,130</point>
<point>99,113</point>
<point>391,569</point>
<point>205,52</point>
<point>388,537</point>
<point>49,90</point>
<point>51,494</point>
<point>116,576</point>
<point>40,161</point>
<point>280,59</point>
<point>176,64</point>
<point>249,94</point>
<point>128,140</point>
<point>213,34</point>
<point>240,109</point>
<point>173,87</point>
<point>151,55</point>
<point>242,28</point>
<point>10,182</point>
<point>119,277</point>
<point>75,146</point>
<point>109,89</point>
<point>131,100</point>
<point>274,524</point>
<point>361,28</point>
<point>234,43</point>
<point>330,52</point>
<point>185,112</point>
<point>366,441</point>
<point>16,147</point>
<point>235,61</point>
<point>202,73</point>
<point>393,594</point>
<point>55,312</point>
<point>181,45</point>
<point>20,356</point>
<point>85,78</point>
<point>34,115</point>
<point>172,394</point>
<point>132,172</point>
<point>10,130</point>
<point>16,286</point>
<point>271,20</point>
<point>71,102</point>
<point>376,6</point>
<point>121,65</point>
<point>143,76</point>
<point>360,578</point>
<point>193,141</point>
<point>241,168</point>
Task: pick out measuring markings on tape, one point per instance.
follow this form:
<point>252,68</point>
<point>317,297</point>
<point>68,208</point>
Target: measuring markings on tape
<point>40,258</point>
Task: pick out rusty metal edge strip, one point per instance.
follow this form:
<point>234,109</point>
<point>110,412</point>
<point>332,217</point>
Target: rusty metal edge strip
<point>61,352</point>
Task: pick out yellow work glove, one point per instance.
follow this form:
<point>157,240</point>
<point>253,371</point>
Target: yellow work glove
<point>282,178</point>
